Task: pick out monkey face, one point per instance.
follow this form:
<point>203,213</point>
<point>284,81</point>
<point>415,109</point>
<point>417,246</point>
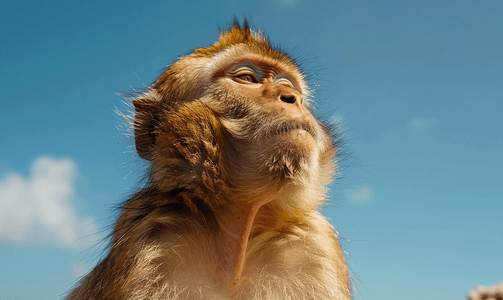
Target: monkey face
<point>263,108</point>
<point>240,105</point>
<point>274,96</point>
<point>277,92</point>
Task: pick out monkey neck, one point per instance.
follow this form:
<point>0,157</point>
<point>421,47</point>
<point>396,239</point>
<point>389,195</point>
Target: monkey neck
<point>236,222</point>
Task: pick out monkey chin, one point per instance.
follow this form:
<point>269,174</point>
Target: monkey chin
<point>298,144</point>
<point>300,139</point>
<point>290,157</point>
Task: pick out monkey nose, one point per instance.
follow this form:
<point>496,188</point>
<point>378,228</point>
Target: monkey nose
<point>290,98</point>
<point>291,104</point>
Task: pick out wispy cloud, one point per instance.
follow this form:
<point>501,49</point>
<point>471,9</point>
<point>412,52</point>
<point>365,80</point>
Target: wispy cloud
<point>39,209</point>
<point>422,124</point>
<point>360,195</point>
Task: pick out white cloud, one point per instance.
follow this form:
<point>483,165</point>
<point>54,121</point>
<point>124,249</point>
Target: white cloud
<point>360,195</point>
<point>422,124</point>
<point>39,208</point>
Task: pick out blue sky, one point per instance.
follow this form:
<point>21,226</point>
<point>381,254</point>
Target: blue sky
<point>418,87</point>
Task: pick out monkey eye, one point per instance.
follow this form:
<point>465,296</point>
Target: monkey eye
<point>284,81</point>
<point>247,78</point>
<point>246,75</point>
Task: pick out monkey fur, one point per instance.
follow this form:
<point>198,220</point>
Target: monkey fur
<point>238,172</point>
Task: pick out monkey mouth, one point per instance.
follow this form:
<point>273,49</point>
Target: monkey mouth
<point>275,126</point>
<point>285,127</point>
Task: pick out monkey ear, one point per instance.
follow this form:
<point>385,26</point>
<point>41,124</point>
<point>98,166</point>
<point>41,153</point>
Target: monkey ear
<point>146,120</point>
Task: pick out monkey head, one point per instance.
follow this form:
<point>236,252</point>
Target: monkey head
<point>233,117</point>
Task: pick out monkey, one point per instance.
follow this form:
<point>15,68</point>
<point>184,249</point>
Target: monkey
<point>487,293</point>
<point>238,169</point>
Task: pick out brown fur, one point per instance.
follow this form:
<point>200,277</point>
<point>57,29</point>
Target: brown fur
<point>487,293</point>
<point>215,154</point>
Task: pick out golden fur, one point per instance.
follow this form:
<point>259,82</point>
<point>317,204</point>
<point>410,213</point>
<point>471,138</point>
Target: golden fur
<point>487,293</point>
<point>217,153</point>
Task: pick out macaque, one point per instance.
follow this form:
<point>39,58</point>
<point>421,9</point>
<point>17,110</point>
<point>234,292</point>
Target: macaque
<point>238,172</point>
<point>487,293</point>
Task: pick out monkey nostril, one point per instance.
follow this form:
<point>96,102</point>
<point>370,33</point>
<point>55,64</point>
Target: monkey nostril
<point>290,99</point>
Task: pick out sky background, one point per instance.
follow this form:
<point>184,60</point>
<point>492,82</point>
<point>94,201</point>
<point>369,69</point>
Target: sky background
<point>418,86</point>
